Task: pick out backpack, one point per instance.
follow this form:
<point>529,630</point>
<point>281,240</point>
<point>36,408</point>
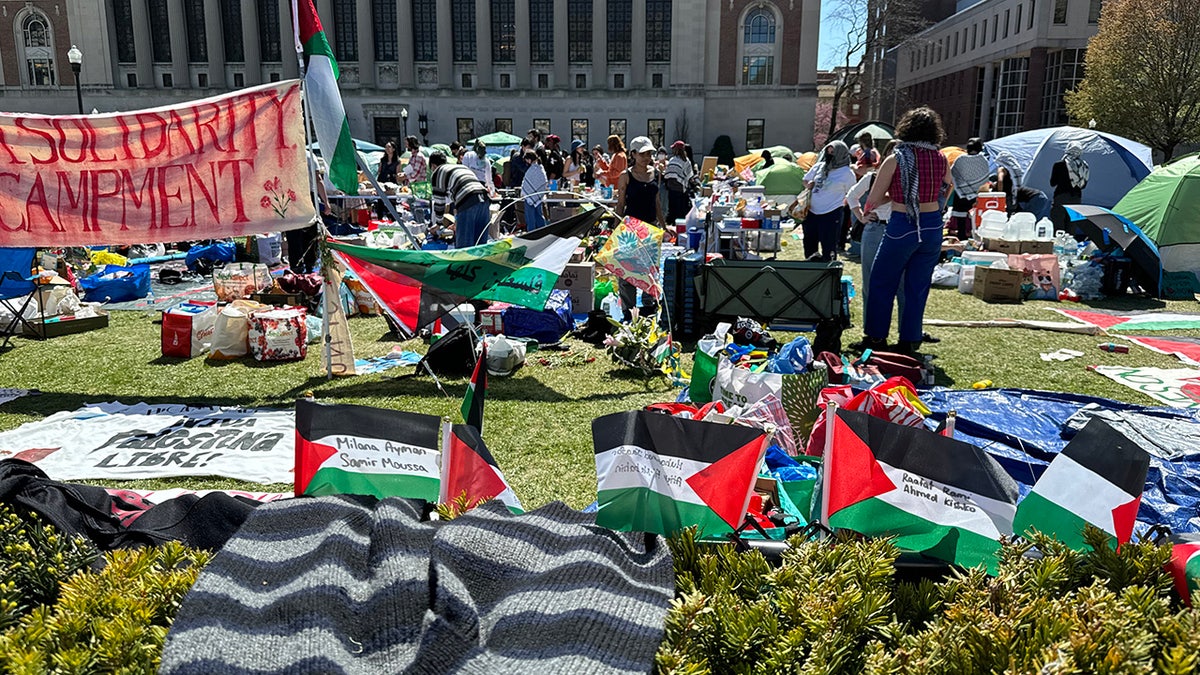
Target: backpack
<point>452,354</point>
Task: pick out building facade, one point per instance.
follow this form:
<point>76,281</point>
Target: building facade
<point>878,70</point>
<point>998,66</point>
<point>692,69</point>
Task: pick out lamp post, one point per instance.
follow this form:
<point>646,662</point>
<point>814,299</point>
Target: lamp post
<point>76,59</point>
<point>404,118</point>
<point>423,127</point>
<point>1092,123</point>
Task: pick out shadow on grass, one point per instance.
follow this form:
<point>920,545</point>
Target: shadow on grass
<point>50,402</point>
<point>422,385</point>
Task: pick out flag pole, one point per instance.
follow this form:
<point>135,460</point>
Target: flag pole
<point>830,418</point>
<point>443,497</point>
<point>387,203</point>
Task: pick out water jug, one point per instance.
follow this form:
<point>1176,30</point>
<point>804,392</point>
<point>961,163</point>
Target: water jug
<point>1020,227</point>
<point>993,225</point>
<point>1044,230</point>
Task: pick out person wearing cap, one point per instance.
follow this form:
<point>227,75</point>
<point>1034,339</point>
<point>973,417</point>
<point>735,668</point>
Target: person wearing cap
<point>611,169</point>
<point>679,178</point>
<point>554,158</point>
<point>573,163</point>
<point>476,160</point>
<point>456,188</point>
<point>638,198</point>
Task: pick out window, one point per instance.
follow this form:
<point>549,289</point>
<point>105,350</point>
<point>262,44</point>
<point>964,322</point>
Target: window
<point>504,31</point>
<point>1032,6</point>
<point>239,80</point>
<point>123,19</point>
<point>656,130</point>
<point>579,31</point>
<point>273,77</point>
<point>543,126</point>
<point>974,34</point>
<point>268,30</point>
<point>541,31</point>
<point>620,20</point>
<point>1018,24</point>
<point>383,19</point>
<point>658,31</point>
<point>759,70</point>
<point>345,30</point>
<point>466,80</point>
<point>160,31</point>
<point>1094,7</point>
<point>995,26</point>
<point>425,45</point>
<point>202,80</point>
<point>1060,11</point>
<point>760,27</point>
<point>505,81</point>
<point>231,26</point>
<point>131,80</point>
<point>168,81</point>
<point>543,81</point>
<point>197,43</point>
<point>1010,96</point>
<point>504,124</point>
<point>754,133</point>
<point>1064,72</point>
<point>616,128</point>
<point>1006,23</point>
<point>619,81</point>
<point>580,81</point>
<point>656,80</point>
<point>466,129</point>
<point>462,29</point>
<point>579,130</point>
<point>39,50</point>
<point>983,39</point>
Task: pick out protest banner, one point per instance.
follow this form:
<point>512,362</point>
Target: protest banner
<point>220,167</point>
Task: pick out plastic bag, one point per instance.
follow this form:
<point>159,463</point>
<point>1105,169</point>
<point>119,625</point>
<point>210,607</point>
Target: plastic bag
<point>238,281</point>
<point>278,334</point>
<point>231,334</point>
<point>794,357</point>
<point>704,369</point>
<point>221,251</point>
<point>504,356</point>
<point>117,284</point>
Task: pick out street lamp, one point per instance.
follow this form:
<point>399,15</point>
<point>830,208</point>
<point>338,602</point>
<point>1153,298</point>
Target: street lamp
<point>404,117</point>
<point>423,127</point>
<point>76,58</point>
<point>1092,123</point>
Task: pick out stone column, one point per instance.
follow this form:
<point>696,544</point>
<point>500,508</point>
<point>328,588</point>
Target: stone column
<point>483,44</point>
<point>214,36</point>
<point>287,42</point>
<point>404,43</point>
<point>562,74</point>
<point>179,48</point>
<point>142,46</point>
<point>365,27</point>
<point>445,43</point>
<point>523,44</point>
<point>600,44</point>
<point>325,13</point>
<point>251,49</point>
<point>637,53</point>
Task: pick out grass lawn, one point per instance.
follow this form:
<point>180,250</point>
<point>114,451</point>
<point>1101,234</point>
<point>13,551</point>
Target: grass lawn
<point>538,422</point>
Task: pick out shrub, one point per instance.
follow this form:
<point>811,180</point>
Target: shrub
<point>34,559</point>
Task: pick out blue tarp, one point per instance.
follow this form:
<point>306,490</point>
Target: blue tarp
<point>1024,429</point>
<point>1116,164</point>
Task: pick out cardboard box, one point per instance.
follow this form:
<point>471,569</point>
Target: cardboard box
<point>993,284</point>
<point>578,255</point>
<point>579,280</point>
<point>1037,247</point>
<point>64,325</point>
<point>491,320</point>
<point>1002,246</point>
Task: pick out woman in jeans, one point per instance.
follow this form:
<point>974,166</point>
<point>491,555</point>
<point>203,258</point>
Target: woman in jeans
<point>829,179</point>
<point>915,178</point>
<point>874,223</point>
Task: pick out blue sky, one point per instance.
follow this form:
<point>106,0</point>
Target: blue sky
<point>832,33</point>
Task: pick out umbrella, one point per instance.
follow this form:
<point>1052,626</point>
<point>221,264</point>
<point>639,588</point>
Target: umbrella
<point>359,144</point>
<point>781,178</point>
<point>1110,231</point>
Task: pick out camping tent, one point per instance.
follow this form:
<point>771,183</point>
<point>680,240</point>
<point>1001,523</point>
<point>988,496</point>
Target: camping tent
<point>881,133</point>
<point>1166,206</point>
<point>781,178</point>
<point>359,144</point>
<point>499,142</point>
<point>806,160</point>
<point>1116,163</point>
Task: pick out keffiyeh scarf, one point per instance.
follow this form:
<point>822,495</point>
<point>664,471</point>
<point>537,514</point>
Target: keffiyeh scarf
<point>1077,166</point>
<point>841,157</point>
<point>906,164</point>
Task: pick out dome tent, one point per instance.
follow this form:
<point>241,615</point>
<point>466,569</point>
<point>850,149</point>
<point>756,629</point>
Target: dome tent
<point>1166,206</point>
<point>1117,164</point>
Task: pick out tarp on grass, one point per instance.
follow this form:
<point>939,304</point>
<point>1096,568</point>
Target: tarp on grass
<point>1025,429</point>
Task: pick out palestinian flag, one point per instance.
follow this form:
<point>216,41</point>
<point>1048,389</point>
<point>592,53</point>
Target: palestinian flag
<point>1184,565</point>
<point>323,98</point>
<point>1098,479</point>
<point>468,468</point>
<point>658,473</point>
<point>472,406</point>
<point>549,250</point>
<point>937,496</point>
<point>353,449</point>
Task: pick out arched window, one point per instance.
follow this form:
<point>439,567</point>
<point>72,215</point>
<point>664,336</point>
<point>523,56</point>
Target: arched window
<point>38,50</point>
<point>760,27</point>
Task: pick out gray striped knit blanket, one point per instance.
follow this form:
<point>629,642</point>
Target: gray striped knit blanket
<point>349,585</point>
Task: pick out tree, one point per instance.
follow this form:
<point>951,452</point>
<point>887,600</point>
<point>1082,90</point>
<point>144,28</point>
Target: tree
<point>484,127</point>
<point>1143,74</point>
<point>824,119</point>
<point>872,28</point>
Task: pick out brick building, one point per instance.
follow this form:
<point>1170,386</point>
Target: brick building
<point>577,68</point>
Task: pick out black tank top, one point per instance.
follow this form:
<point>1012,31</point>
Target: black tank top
<point>641,198</point>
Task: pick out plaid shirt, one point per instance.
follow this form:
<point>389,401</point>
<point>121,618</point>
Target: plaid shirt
<point>418,168</point>
<point>931,174</point>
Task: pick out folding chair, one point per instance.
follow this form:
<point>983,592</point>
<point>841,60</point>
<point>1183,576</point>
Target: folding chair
<point>16,289</point>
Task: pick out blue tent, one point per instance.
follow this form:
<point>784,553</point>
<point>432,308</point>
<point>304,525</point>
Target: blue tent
<point>1116,163</point>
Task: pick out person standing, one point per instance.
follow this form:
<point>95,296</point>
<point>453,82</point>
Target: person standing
<point>829,179</point>
<point>456,188</point>
<point>417,170</point>
<point>610,170</point>
<point>914,178</point>
<point>554,159</point>
<point>573,163</point>
<point>476,160</point>
<point>970,173</point>
<point>873,222</point>
<point>868,156</point>
<point>533,189</point>
<point>1069,176</point>
<point>679,177</point>
<point>638,198</point>
<point>388,163</point>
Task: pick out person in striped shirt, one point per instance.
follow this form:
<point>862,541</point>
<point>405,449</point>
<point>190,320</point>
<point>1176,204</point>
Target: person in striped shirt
<point>456,188</point>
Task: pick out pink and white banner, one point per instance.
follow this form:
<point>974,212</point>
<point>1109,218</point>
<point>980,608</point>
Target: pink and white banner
<point>219,167</point>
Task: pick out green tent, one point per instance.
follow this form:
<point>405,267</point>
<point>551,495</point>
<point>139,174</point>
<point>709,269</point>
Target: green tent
<point>781,152</point>
<point>781,178</point>
<point>497,138</point>
<point>1166,206</point>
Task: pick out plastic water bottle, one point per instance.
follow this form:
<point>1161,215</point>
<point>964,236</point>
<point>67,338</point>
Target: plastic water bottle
<point>612,307</point>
